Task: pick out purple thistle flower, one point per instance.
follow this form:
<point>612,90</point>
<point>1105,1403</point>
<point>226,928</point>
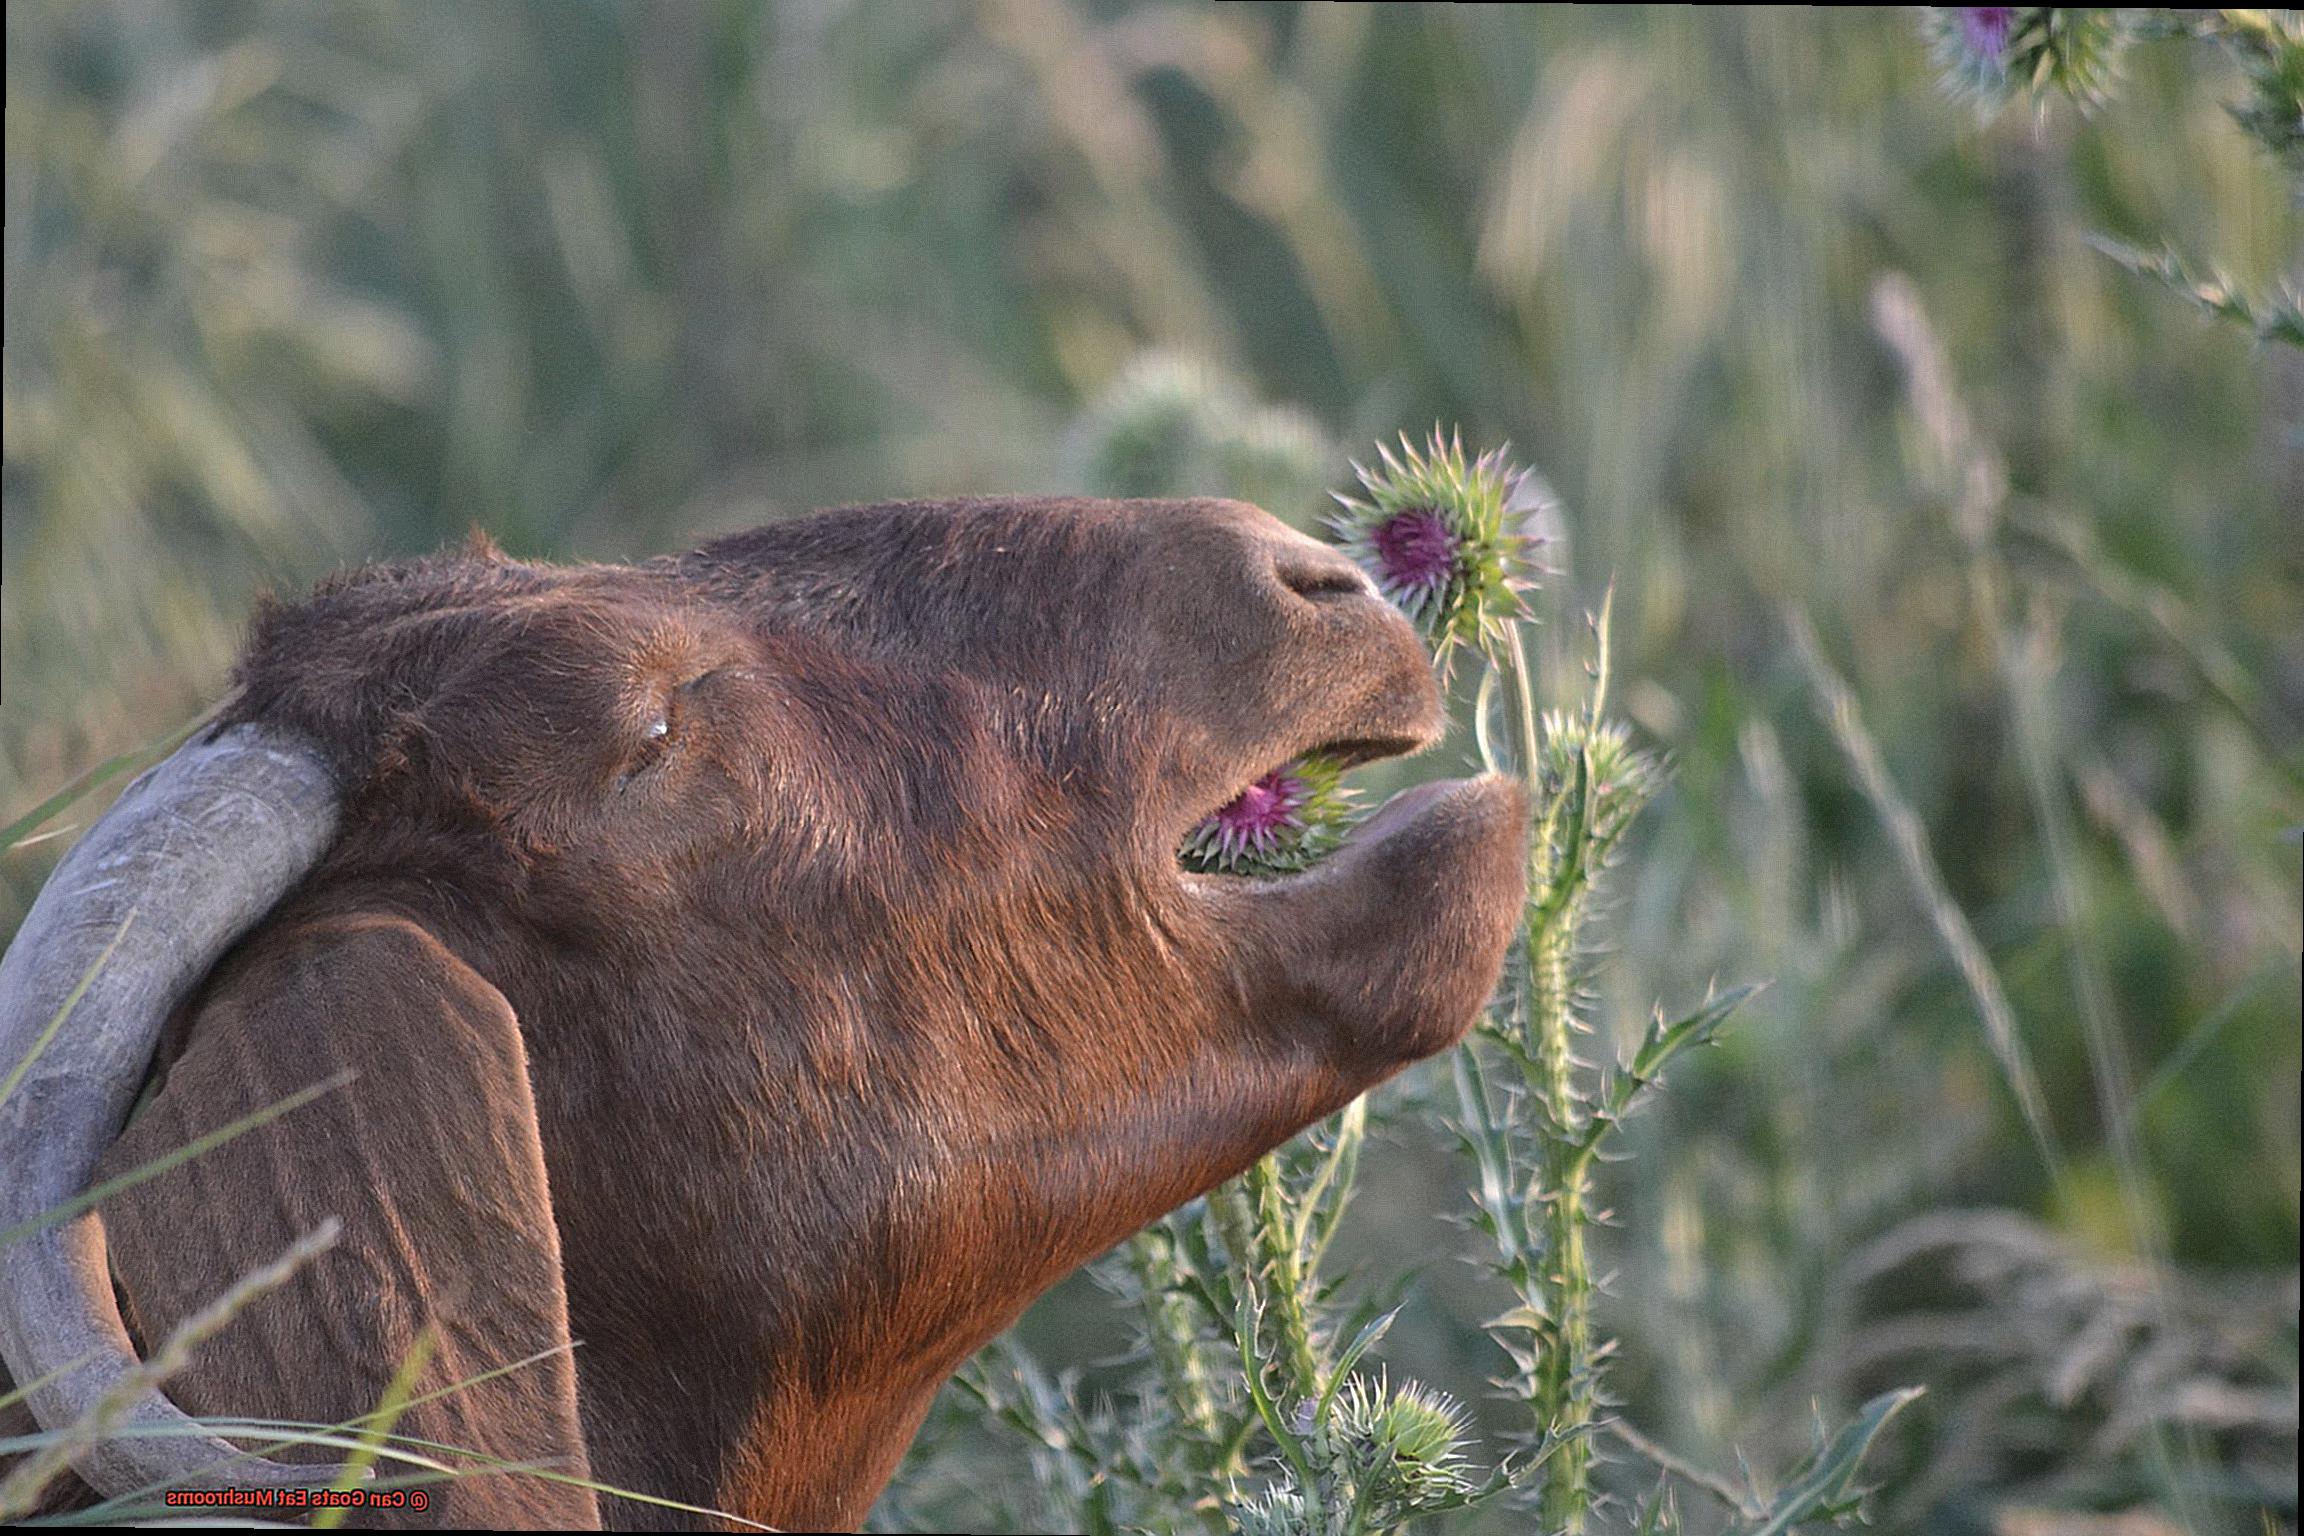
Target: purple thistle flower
<point>1994,53</point>
<point>1264,810</point>
<point>1415,553</point>
<point>1286,820</point>
<point>1984,29</point>
<point>1445,537</point>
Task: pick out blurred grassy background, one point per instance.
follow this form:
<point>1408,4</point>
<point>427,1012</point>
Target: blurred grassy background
<point>292,285</point>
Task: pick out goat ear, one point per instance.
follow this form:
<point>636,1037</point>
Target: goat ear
<point>430,1160</point>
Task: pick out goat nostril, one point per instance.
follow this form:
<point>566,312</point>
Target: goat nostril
<point>1313,582</point>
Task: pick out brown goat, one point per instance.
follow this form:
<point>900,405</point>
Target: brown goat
<point>766,967</point>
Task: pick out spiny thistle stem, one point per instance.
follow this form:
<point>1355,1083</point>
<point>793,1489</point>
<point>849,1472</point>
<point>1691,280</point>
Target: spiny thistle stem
<point>1173,1341</point>
<point>1281,1263</point>
<point>1253,1218</point>
<point>1563,1399</point>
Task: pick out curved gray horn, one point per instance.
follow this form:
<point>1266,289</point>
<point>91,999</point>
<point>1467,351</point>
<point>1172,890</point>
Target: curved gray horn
<point>198,850</point>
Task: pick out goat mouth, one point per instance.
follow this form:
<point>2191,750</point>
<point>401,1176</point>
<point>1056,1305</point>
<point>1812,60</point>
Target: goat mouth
<point>1290,817</point>
<point>1354,751</point>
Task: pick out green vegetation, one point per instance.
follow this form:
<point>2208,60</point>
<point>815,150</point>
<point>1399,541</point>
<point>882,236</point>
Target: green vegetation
<point>1957,574</point>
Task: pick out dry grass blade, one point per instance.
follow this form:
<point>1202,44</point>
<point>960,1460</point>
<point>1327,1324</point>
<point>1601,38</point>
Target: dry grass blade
<point>24,1484</point>
<point>1837,704</point>
<point>1976,476</point>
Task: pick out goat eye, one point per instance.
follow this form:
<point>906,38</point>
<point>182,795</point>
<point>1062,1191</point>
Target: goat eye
<point>655,744</point>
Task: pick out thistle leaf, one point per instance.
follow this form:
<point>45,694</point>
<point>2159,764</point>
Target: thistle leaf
<point>1825,1486</point>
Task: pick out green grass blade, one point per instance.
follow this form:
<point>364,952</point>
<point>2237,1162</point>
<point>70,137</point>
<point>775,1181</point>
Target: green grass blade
<point>98,1194</point>
<point>71,1001</point>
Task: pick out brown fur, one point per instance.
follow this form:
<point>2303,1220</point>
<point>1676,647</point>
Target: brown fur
<point>781,1060</point>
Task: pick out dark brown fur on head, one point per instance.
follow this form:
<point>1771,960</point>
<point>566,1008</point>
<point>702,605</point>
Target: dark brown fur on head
<point>768,968</point>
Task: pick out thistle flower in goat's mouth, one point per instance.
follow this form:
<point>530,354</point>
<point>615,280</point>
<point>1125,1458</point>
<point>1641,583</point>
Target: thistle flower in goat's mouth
<point>1287,820</point>
<point>1433,530</point>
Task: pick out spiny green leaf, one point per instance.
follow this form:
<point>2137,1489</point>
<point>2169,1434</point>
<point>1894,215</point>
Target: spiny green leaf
<point>1825,1486</point>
